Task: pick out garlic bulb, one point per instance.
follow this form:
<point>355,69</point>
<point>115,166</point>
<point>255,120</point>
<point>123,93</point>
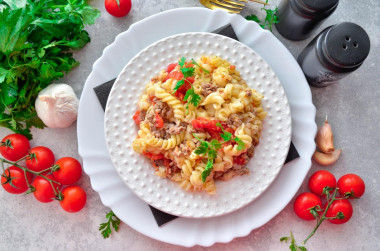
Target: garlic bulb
<point>57,106</point>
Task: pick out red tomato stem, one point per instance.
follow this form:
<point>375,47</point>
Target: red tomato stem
<point>30,171</point>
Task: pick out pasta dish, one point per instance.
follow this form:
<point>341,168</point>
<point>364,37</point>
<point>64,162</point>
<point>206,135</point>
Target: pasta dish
<point>199,122</point>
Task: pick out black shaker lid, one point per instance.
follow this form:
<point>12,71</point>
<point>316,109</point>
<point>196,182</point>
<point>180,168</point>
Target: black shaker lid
<point>347,44</point>
<point>319,5</point>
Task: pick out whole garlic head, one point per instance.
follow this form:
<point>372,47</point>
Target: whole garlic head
<point>57,106</point>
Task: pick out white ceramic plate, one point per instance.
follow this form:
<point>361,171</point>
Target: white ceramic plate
<point>136,170</point>
<point>134,211</point>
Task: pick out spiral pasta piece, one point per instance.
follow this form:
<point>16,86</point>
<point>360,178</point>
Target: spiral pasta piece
<point>173,102</point>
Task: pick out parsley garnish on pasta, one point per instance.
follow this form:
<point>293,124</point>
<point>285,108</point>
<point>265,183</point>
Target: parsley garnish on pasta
<point>210,149</point>
<point>188,71</point>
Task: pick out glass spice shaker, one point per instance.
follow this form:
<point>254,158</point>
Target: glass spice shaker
<point>299,18</point>
<point>337,51</point>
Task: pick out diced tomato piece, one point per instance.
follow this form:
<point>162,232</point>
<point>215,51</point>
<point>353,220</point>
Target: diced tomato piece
<point>215,135</point>
<point>176,75</point>
<point>153,156</point>
<point>171,67</point>
<point>240,160</point>
<point>189,65</point>
<point>180,96</point>
<point>190,79</point>
<point>136,117</point>
<point>206,124</point>
<point>151,98</point>
<point>159,121</point>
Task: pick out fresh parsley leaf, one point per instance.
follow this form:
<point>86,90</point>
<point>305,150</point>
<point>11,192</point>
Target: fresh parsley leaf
<point>241,144</point>
<point>113,221</point>
<point>225,135</point>
<point>187,71</point>
<point>191,97</point>
<point>182,62</point>
<point>178,85</point>
<point>254,18</point>
<point>206,172</point>
<point>200,67</point>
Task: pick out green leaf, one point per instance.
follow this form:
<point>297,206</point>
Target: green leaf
<point>182,62</point>
<point>241,144</point>
<point>9,94</point>
<point>187,71</point>
<point>15,4</point>
<point>3,74</point>
<point>113,221</point>
<point>89,14</point>
<point>225,135</point>
<point>178,85</point>
<point>191,97</point>
<point>253,18</point>
<point>207,170</point>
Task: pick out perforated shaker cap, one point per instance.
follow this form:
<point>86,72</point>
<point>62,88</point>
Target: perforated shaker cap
<point>347,44</point>
<point>319,5</point>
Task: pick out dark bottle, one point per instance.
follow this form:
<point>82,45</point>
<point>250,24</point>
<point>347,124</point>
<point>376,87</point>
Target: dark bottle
<point>337,51</point>
<point>299,18</point>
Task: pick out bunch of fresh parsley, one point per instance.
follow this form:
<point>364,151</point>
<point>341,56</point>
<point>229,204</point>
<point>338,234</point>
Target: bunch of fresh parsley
<point>210,149</point>
<point>270,18</point>
<point>36,40</point>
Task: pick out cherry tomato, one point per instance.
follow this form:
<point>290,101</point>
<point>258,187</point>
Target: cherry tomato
<point>321,179</point>
<point>351,185</point>
<point>18,180</point>
<point>14,146</point>
<point>44,191</point>
<point>337,206</point>
<point>74,199</point>
<point>69,172</point>
<point>44,159</point>
<point>136,117</point>
<point>304,202</point>
<point>159,122</point>
<point>118,10</point>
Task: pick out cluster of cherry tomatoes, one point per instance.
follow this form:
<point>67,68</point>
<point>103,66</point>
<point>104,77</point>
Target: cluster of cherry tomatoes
<point>54,180</point>
<point>337,209</point>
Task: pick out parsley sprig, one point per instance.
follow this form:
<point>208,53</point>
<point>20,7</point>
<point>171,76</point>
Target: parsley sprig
<point>36,43</point>
<point>113,221</point>
<point>210,149</point>
<point>270,18</point>
<point>191,97</point>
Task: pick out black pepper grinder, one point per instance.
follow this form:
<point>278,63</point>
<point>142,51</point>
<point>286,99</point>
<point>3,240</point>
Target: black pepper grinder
<point>337,51</point>
<point>299,18</point>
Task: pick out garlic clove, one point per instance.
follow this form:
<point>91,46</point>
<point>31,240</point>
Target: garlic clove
<point>326,159</point>
<point>325,138</point>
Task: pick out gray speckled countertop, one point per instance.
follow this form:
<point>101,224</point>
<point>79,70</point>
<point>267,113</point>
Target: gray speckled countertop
<point>352,107</point>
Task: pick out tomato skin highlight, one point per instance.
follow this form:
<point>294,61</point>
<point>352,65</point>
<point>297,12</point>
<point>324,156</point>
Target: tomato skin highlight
<point>44,159</point>
<point>18,180</point>
<point>118,11</point>
<point>351,184</point>
<point>44,192</point>
<point>20,145</point>
<point>74,199</point>
<point>303,203</point>
<point>69,172</point>
<point>337,206</point>
<point>319,180</point>
<point>207,124</point>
